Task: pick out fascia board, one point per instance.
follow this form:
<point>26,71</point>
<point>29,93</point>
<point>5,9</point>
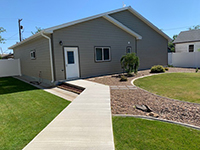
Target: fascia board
<point>82,20</point>
<point>51,29</point>
<point>26,40</point>
<point>148,23</point>
<point>123,27</point>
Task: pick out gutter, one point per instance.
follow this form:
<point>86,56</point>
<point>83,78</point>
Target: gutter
<point>51,57</point>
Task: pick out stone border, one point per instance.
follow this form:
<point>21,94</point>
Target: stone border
<point>157,119</point>
<point>156,94</point>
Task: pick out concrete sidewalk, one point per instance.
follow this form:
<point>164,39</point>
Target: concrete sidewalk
<point>86,124</point>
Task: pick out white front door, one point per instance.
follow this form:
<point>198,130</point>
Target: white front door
<point>71,62</point>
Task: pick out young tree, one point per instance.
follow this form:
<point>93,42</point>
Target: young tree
<point>130,62</point>
<point>38,29</point>
<point>2,40</point>
<point>171,45</point>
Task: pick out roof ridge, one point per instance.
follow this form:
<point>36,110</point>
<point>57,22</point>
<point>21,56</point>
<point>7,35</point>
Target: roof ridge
<point>188,36</point>
<point>129,8</point>
<point>190,30</point>
<point>86,18</point>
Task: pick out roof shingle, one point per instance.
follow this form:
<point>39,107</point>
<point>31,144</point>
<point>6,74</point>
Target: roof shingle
<point>188,36</point>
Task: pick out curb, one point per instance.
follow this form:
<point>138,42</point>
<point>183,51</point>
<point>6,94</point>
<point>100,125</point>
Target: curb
<point>162,120</point>
<point>176,100</point>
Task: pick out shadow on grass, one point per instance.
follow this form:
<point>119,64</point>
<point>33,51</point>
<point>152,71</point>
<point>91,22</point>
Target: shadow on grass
<point>12,85</point>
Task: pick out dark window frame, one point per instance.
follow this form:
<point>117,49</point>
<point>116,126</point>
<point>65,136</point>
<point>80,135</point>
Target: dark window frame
<point>102,51</point>
<point>191,48</point>
<point>33,54</point>
<point>128,48</point>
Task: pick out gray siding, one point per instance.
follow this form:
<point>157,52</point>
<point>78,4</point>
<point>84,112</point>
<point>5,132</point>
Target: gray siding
<point>86,36</point>
<point>152,49</point>
<point>30,67</point>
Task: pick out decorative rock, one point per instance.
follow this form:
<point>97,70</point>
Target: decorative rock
<point>143,108</point>
<point>152,114</point>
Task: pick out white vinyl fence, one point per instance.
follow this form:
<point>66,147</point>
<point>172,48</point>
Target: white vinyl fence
<point>170,58</point>
<point>9,67</point>
<point>184,59</point>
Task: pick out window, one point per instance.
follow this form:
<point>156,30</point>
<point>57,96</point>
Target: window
<point>102,53</point>
<point>70,57</point>
<point>128,49</point>
<point>33,54</point>
<point>191,48</point>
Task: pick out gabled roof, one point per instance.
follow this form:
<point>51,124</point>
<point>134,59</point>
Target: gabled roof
<point>129,8</point>
<point>50,30</point>
<point>188,36</point>
<point>107,17</point>
<point>123,27</point>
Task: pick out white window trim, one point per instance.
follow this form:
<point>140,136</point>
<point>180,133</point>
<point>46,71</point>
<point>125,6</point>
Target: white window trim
<point>189,48</point>
<point>102,54</point>
<point>32,51</point>
<point>127,49</point>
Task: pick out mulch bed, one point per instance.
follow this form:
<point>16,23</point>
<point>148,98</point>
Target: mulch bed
<point>123,101</point>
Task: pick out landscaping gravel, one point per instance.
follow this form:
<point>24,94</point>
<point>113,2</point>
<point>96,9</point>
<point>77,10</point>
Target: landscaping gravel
<point>124,99</point>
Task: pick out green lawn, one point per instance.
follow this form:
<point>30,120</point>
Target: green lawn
<point>139,134</point>
<point>182,86</point>
<point>24,112</point>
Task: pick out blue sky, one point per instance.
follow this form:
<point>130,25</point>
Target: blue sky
<point>172,16</point>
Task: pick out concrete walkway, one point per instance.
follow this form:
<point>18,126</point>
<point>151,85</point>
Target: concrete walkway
<point>70,96</point>
<point>86,124</point>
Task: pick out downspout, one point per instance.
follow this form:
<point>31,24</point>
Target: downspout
<point>51,57</point>
<point>136,46</point>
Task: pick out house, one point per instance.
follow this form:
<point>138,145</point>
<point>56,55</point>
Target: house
<point>91,46</point>
<point>6,56</point>
<point>187,41</point>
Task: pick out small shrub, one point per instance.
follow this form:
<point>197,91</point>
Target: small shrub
<point>170,66</point>
<point>157,69</point>
<point>123,78</point>
<point>197,69</point>
<point>166,69</point>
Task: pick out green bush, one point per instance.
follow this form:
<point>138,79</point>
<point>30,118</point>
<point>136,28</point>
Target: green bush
<point>166,69</point>
<point>130,63</point>
<point>170,66</point>
<point>123,78</point>
<point>157,69</point>
<point>197,69</point>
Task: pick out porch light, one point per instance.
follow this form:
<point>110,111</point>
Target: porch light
<point>61,43</point>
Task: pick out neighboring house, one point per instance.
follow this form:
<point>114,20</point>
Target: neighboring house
<point>6,56</point>
<point>91,46</point>
<point>188,41</point>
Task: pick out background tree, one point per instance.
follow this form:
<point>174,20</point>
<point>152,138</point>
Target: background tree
<point>130,62</point>
<point>171,45</point>
<point>38,29</point>
<point>195,27</point>
<point>2,40</point>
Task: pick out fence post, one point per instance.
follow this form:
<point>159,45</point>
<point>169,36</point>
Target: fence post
<point>19,67</point>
